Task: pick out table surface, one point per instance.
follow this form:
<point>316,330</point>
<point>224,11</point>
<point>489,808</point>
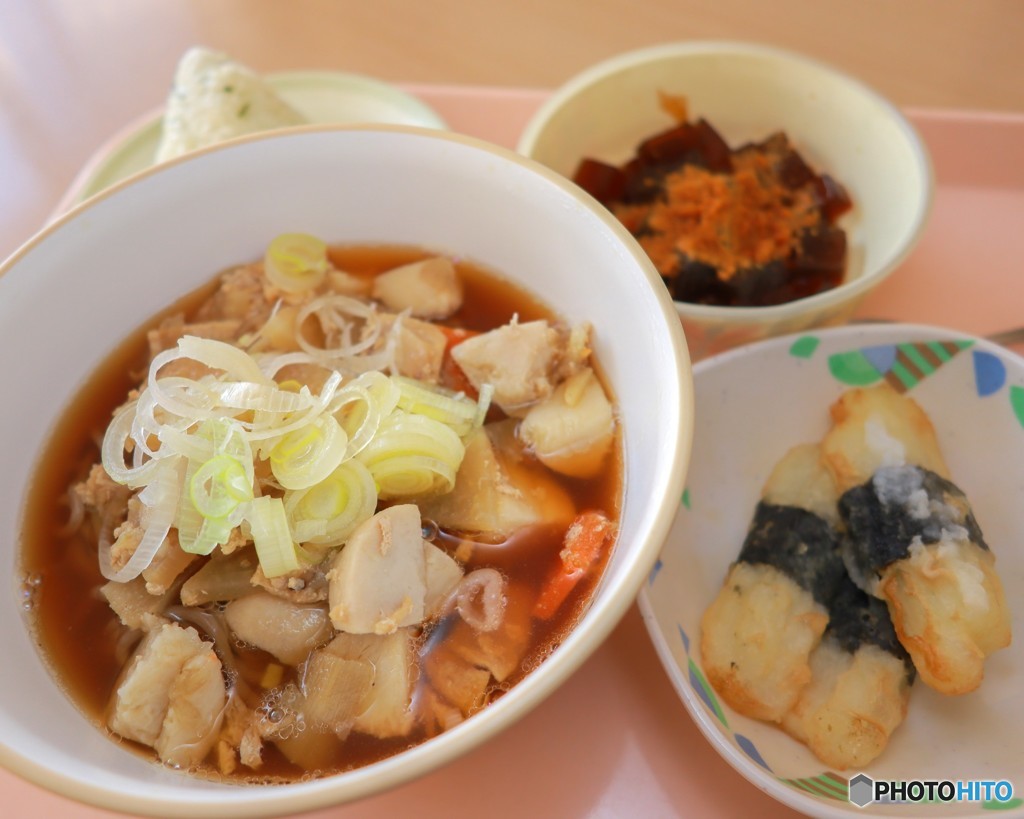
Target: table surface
<point>74,72</point>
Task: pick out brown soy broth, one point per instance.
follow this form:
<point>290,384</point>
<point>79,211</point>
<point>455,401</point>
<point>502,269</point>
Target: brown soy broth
<point>82,640</point>
<point>72,623</point>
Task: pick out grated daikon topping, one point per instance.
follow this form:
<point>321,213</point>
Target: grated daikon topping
<point>889,450</point>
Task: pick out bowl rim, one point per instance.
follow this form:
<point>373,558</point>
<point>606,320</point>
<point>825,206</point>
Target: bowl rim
<point>779,312</point>
<point>799,800</point>
<point>411,764</point>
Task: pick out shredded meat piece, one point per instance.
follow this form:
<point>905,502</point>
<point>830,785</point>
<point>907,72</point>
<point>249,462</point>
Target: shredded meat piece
<point>127,536</point>
<point>236,540</point>
<point>241,296</point>
<point>250,749</point>
<point>237,717</point>
<point>240,737</point>
<point>227,761</point>
<point>168,564</point>
<point>99,492</point>
<point>173,327</point>
<point>305,586</point>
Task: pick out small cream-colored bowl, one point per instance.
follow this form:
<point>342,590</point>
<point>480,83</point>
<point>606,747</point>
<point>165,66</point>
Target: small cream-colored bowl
<point>973,392</point>
<point>69,297</point>
<point>746,92</point>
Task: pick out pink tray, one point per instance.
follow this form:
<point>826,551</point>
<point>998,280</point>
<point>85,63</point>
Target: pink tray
<point>615,740</point>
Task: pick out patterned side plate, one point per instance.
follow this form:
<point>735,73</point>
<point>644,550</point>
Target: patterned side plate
<point>752,404</point>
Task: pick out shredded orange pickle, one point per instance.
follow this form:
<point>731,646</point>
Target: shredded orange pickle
<point>729,221</point>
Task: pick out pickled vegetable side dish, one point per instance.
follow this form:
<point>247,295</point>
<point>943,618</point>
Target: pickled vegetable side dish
<point>749,227</point>
<point>327,507</point>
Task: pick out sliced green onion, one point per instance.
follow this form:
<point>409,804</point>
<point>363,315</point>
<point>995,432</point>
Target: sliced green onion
<point>218,486</point>
<point>274,545</point>
<point>304,457</point>
<point>218,480</point>
<point>228,437</point>
<point>213,533</point>
<point>406,476</point>
<point>326,514</point>
<point>112,452</point>
<point>451,409</point>
<point>187,519</point>
<point>219,355</point>
<point>361,404</point>
<point>266,425</point>
<point>160,497</point>
<point>413,455</point>
<point>296,262</point>
<point>483,405</point>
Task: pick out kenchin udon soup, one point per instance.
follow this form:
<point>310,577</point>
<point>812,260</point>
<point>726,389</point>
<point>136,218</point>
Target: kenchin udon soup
<point>329,506</point>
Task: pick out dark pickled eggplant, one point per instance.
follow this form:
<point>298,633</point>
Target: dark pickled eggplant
<point>749,227</point>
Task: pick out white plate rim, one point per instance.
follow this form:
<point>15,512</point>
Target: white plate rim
<point>779,789</point>
<point>101,170</point>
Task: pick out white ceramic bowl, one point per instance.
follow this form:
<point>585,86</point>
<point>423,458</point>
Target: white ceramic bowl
<point>840,126</point>
<point>71,294</point>
<point>976,403</point>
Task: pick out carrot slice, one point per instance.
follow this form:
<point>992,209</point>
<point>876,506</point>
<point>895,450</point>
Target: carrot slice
<point>455,335</point>
<point>584,541</point>
<point>452,375</point>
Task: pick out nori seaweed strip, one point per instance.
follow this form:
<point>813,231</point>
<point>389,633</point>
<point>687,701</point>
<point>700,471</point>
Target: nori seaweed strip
<point>798,543</point>
<point>856,618</point>
<point>881,525</point>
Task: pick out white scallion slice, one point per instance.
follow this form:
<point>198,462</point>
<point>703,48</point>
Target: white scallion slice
<point>296,262</point>
<point>213,533</point>
<point>160,497</point>
<point>237,364</point>
<point>275,548</point>
<point>360,405</point>
<point>412,455</point>
<point>326,514</point>
<point>451,409</point>
<point>218,486</point>
<point>305,456</point>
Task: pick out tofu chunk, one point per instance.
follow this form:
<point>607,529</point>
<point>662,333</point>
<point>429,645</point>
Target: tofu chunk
<point>194,711</point>
<point>143,694</point>
<point>378,579</point>
<point>171,695</point>
<point>518,360</point>
<point>571,430</point>
<point>429,288</point>
<point>419,348</point>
